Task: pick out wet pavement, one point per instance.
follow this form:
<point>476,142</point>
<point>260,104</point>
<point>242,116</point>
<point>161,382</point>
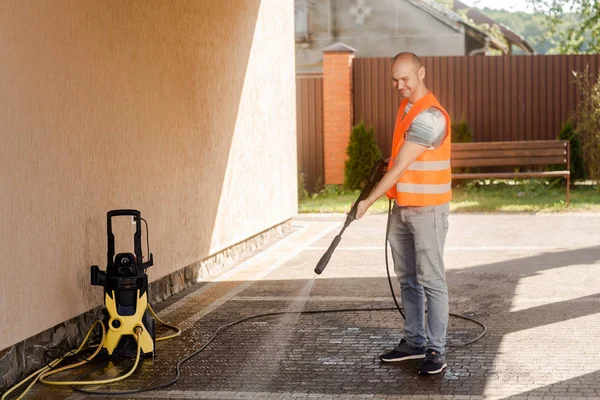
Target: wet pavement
<point>531,279</point>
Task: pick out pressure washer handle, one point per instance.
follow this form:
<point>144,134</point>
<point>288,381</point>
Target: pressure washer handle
<point>121,213</point>
<point>137,236</point>
<point>363,195</point>
<point>375,175</point>
<point>325,259</point>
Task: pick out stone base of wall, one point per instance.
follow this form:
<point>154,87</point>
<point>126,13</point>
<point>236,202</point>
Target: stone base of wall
<point>174,283</point>
<point>23,358</point>
<point>18,361</point>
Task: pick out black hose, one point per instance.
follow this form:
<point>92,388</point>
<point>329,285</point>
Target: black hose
<point>222,327</point>
<point>271,314</point>
<point>387,263</point>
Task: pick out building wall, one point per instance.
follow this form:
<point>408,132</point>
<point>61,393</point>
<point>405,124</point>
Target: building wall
<point>391,27</point>
<point>184,110</point>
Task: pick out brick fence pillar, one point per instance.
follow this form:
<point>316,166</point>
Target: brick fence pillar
<point>337,109</point>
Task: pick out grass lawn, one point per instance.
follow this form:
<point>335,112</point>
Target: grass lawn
<point>533,196</point>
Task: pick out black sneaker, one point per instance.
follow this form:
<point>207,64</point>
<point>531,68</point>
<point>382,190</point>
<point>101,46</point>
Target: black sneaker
<point>434,363</point>
<point>403,352</point>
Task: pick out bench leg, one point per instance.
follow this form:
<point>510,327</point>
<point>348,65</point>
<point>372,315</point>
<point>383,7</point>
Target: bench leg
<point>568,189</point>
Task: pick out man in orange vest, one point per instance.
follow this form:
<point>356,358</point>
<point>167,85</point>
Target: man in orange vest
<point>418,179</point>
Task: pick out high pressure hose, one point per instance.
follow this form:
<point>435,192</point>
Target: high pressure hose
<point>172,327</point>
<point>387,263</point>
<point>41,374</point>
<point>239,321</point>
<point>375,175</point>
<point>323,262</point>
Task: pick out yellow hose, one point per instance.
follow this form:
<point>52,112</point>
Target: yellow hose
<point>37,374</point>
<point>77,364</point>
<point>34,374</point>
<point>44,372</point>
<point>138,331</point>
<point>173,327</point>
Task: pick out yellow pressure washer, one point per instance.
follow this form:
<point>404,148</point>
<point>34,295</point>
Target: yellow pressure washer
<point>126,290</point>
<point>127,313</point>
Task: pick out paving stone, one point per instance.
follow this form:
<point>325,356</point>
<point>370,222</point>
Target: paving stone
<point>531,279</point>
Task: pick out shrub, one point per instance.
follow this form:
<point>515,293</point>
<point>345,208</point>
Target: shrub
<point>576,159</point>
<point>461,133</point>
<point>362,153</point>
<point>333,190</point>
<point>586,120</point>
<point>302,192</point>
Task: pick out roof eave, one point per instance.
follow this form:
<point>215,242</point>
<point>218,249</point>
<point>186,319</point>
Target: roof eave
<point>437,14</point>
<point>480,18</point>
<point>481,35</point>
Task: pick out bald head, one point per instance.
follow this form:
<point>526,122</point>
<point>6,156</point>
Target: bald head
<point>407,75</point>
<point>407,57</point>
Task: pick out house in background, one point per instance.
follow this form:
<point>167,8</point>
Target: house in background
<point>517,43</point>
<point>383,28</point>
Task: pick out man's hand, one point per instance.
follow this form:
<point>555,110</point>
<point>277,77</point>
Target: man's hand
<point>362,208</point>
<point>407,154</point>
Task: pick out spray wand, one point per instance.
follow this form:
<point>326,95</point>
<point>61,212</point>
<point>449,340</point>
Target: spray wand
<point>377,172</point>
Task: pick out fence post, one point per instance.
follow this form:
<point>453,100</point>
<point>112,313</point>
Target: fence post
<point>337,109</point>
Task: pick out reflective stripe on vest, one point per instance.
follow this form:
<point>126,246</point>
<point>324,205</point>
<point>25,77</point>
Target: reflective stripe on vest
<point>429,165</point>
<point>423,189</point>
<point>427,180</point>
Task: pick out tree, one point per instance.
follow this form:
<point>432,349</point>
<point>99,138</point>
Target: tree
<point>573,27</point>
<point>528,25</point>
<point>587,121</point>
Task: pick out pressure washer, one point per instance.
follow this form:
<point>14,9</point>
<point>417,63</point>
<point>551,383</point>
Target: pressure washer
<point>127,313</point>
<point>125,286</point>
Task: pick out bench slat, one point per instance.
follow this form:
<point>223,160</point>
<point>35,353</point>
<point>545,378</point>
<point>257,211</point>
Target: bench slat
<point>507,161</point>
<point>494,153</point>
<point>521,144</point>
<point>511,154</point>
<point>509,174</point>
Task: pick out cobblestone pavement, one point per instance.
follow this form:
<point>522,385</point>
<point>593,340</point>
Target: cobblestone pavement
<point>531,279</point>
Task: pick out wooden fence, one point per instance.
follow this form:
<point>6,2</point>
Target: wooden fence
<point>501,98</point>
<point>309,122</point>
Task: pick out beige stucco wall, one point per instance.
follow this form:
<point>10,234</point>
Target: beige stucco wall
<point>184,110</point>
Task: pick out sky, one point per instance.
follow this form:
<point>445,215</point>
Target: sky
<point>509,5</point>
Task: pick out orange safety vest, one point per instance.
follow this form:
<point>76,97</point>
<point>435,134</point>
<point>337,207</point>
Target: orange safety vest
<point>426,181</point>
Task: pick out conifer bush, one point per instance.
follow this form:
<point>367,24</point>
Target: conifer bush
<point>362,153</point>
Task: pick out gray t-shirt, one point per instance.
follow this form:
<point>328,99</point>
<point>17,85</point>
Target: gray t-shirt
<point>428,128</point>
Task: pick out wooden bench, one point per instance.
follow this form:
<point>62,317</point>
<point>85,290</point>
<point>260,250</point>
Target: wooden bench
<point>512,154</point>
